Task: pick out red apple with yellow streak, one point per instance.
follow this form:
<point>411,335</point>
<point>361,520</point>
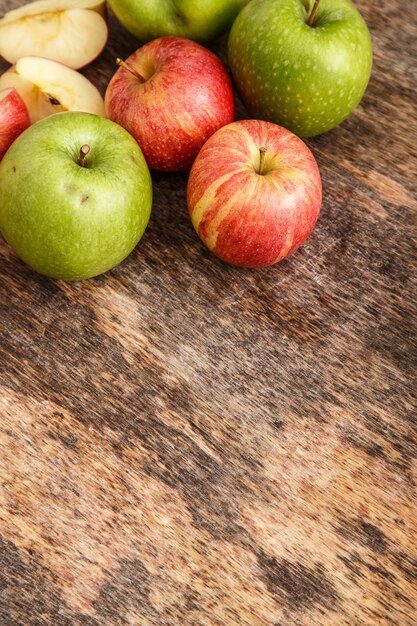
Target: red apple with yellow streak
<point>254,193</point>
<point>171,95</point>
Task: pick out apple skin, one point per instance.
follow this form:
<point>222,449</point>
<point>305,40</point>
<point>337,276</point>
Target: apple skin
<point>201,21</point>
<point>187,96</point>
<point>64,220</point>
<point>247,218</point>
<point>308,79</point>
<point>14,118</point>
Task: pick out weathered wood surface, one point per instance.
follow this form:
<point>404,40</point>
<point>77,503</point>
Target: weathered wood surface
<point>185,443</point>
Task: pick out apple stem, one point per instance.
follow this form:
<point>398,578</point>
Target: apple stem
<point>84,150</point>
<point>261,161</point>
<point>130,69</point>
<point>313,13</point>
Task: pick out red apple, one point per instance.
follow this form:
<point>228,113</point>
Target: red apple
<point>171,95</point>
<point>254,193</point>
<point>14,118</point>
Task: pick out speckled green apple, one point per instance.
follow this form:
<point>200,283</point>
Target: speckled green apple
<point>302,64</point>
<point>201,21</point>
<point>76,195</point>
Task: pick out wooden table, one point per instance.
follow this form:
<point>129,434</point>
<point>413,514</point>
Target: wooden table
<point>186,443</point>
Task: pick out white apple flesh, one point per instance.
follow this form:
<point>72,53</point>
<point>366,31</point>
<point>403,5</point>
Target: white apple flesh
<point>48,87</point>
<point>72,33</point>
<point>14,118</point>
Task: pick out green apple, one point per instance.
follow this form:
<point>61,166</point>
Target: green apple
<point>201,21</point>
<point>76,195</point>
<point>302,64</point>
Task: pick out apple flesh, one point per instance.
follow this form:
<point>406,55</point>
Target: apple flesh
<point>306,77</point>
<point>48,87</point>
<point>254,193</point>
<point>202,21</point>
<point>76,195</point>
<point>14,118</point>
<point>71,32</point>
<point>171,95</point>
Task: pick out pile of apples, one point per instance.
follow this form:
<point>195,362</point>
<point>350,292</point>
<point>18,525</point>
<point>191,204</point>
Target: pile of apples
<point>75,186</point>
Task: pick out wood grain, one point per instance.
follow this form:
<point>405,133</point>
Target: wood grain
<point>186,443</point>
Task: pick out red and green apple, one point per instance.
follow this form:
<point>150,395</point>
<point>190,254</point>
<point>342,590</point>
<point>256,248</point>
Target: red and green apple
<point>171,95</point>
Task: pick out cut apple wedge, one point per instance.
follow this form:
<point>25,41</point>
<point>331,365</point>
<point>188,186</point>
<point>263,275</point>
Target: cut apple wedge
<point>52,6</point>
<point>70,32</point>
<point>47,87</point>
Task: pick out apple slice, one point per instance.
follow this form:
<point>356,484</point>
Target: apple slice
<point>47,87</point>
<point>14,118</point>
<point>71,32</point>
<point>50,6</point>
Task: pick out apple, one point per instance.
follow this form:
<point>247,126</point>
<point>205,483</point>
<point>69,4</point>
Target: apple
<point>76,195</point>
<point>73,32</point>
<point>171,95</point>
<point>302,66</point>
<point>47,87</point>
<point>254,193</point>
<point>14,118</point>
<point>201,21</point>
